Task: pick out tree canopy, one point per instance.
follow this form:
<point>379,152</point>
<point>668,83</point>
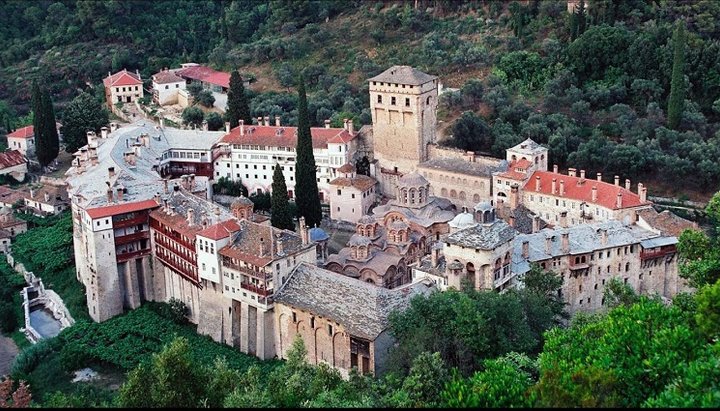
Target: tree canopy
<point>84,113</point>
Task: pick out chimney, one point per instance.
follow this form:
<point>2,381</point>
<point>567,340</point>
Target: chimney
<point>162,122</point>
<point>526,249</point>
<point>537,183</point>
<point>109,195</point>
<point>514,196</point>
<point>137,72</point>
<point>351,129</point>
<point>548,245</point>
<point>172,209</point>
<point>32,193</point>
<point>554,184</point>
<point>267,120</point>
<point>345,123</point>
<point>205,125</point>
<point>47,196</point>
<point>111,172</point>
<point>599,176</point>
<point>565,243</point>
<point>279,244</point>
<point>259,120</point>
<point>563,219</point>
<point>562,187</point>
<point>114,126</point>
<point>535,224</point>
<point>227,127</point>
<point>277,123</point>
<point>642,192</point>
<point>157,198</point>
<point>327,123</point>
<point>119,194</point>
<point>263,248</point>
<point>511,220</point>
<point>617,181</point>
<point>104,132</point>
<point>190,216</point>
<point>242,127</point>
<point>582,175</point>
<point>603,236</point>
<point>618,202</point>
<point>594,194</point>
<point>572,172</point>
<point>303,231</point>
<point>555,168</point>
<point>434,252</point>
<point>627,184</point>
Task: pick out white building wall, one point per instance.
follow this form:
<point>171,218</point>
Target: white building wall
<point>21,144</point>
<point>348,203</point>
<point>168,92</point>
<point>135,92</point>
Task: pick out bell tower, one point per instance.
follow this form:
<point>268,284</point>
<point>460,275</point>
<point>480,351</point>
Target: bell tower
<point>403,104</point>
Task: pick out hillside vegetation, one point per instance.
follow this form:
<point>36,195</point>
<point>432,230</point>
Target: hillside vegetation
<point>593,85</point>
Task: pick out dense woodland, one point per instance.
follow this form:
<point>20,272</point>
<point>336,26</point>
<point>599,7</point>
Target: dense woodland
<point>594,85</point>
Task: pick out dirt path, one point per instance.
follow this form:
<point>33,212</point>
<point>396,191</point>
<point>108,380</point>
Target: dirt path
<point>8,352</point>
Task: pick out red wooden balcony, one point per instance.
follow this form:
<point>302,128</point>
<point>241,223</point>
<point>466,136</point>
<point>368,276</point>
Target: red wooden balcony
<point>133,254</point>
<point>168,248</point>
<point>257,290</point>
<point>129,238</point>
<point>656,252</point>
<point>187,273</point>
<point>129,222</point>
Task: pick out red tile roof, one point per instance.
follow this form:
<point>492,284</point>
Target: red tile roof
<point>522,163</point>
<point>112,210</point>
<point>274,136</point>
<point>206,74</point>
<point>165,77</point>
<point>361,182</point>
<point>512,172</point>
<point>122,78</point>
<point>11,158</point>
<point>606,192</point>
<point>220,230</point>
<point>25,132</point>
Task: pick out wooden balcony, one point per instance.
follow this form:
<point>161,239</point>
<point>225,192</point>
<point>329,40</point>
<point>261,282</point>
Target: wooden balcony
<point>133,254</point>
<point>168,248</point>
<point>657,252</point>
<point>256,289</point>
<point>262,275</point>
<point>187,273</point>
<point>129,222</point>
<point>129,238</point>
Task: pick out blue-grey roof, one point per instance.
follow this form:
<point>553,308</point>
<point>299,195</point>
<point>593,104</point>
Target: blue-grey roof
<point>483,236</point>
<point>362,308</point>
<point>658,242</point>
<point>318,234</point>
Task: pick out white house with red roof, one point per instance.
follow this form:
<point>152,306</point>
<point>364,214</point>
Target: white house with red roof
<point>166,85</point>
<point>23,139</point>
<point>248,154</point>
<point>13,163</point>
<point>211,79</point>
<point>123,87</point>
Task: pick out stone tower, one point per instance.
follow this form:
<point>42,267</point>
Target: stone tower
<point>403,104</point>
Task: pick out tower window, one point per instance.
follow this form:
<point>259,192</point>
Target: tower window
<point>392,100</point>
<point>379,98</point>
<point>407,102</point>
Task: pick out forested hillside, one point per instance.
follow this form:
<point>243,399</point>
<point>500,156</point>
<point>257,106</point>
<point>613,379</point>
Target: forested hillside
<point>594,85</point>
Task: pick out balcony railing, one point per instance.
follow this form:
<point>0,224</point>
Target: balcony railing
<point>163,242</point>
<point>655,253</point>
<point>256,274</point>
<point>129,238</point>
<point>129,222</point>
<point>257,290</point>
<point>133,254</point>
<point>187,273</point>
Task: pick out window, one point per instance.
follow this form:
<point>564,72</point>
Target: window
<point>407,101</point>
<point>166,87</point>
<point>339,192</point>
<point>330,330</point>
<point>392,101</point>
<point>353,195</point>
<point>312,322</point>
<point>379,98</point>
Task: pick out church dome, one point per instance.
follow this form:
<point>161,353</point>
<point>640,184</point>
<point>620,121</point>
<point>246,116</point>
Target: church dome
<point>483,206</point>
<point>399,225</point>
<point>358,240</point>
<point>412,180</point>
<point>318,234</point>
<point>462,220</point>
<point>240,202</point>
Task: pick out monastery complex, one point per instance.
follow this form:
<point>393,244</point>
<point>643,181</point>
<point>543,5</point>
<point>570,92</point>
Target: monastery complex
<point>425,219</point>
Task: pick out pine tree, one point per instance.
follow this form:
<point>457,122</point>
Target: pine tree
<point>677,84</point>
<point>237,103</point>
<point>306,189</point>
<point>280,211</point>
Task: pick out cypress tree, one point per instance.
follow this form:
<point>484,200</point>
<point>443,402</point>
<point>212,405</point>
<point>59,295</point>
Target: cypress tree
<point>50,127</point>
<point>677,84</point>
<point>280,210</point>
<point>306,189</point>
<point>237,104</point>
<point>36,103</point>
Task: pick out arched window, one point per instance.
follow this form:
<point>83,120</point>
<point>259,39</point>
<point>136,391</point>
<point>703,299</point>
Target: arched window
<point>444,192</point>
<point>476,198</point>
<point>462,195</point>
<point>453,194</point>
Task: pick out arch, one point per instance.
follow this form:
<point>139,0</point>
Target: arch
<point>536,160</point>
<point>501,194</point>
<point>464,181</point>
<point>341,349</point>
<point>453,193</point>
<point>476,198</point>
<point>412,196</point>
<point>443,192</point>
<point>524,158</point>
<point>470,270</point>
<point>323,345</point>
<point>513,158</point>
<point>462,195</point>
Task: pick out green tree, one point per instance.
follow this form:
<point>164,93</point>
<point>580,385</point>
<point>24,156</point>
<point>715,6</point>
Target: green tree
<point>46,137</point>
<point>214,121</point>
<point>677,85</point>
<point>470,132</point>
<point>171,379</point>
<point>194,89</point>
<point>708,310</point>
<point>238,107</point>
<point>280,216</point>
<point>192,116</point>
<point>699,252</point>
<point>307,196</point>
<point>618,293</point>
<point>83,113</point>
<point>427,377</point>
<point>205,98</point>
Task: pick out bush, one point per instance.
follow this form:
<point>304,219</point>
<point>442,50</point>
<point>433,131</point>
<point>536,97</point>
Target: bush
<point>28,359</point>
<point>8,320</point>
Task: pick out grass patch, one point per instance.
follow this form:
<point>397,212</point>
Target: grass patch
<point>47,250</point>
<point>113,348</point>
